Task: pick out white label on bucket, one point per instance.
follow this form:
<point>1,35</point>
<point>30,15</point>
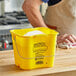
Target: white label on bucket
<point>31,33</point>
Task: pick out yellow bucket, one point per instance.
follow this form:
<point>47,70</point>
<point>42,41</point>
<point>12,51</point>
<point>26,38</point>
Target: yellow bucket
<point>36,51</point>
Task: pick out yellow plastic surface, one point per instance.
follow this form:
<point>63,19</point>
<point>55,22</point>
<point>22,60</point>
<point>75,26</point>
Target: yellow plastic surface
<point>37,51</point>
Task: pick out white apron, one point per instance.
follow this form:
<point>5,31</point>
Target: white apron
<point>63,16</point>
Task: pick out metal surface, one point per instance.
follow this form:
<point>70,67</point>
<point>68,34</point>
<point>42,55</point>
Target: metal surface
<point>10,21</point>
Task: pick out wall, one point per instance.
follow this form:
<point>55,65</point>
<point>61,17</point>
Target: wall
<point>13,5</point>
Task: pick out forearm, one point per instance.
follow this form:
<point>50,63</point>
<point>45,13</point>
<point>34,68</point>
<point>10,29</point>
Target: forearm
<point>33,14</point>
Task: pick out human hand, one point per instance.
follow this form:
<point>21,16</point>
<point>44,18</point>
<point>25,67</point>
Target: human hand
<point>66,38</point>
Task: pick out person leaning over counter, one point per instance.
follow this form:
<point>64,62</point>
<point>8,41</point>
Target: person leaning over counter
<point>60,15</point>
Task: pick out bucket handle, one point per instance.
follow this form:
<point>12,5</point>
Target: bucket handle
<point>18,50</point>
<point>28,58</point>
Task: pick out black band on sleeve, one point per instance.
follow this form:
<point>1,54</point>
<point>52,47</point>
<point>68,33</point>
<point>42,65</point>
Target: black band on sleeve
<point>53,2</point>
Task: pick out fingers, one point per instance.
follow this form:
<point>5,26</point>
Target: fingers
<point>61,38</point>
<point>66,41</point>
<point>71,38</point>
<point>74,37</point>
<point>66,38</point>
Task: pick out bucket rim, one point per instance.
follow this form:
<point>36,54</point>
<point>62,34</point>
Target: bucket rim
<point>12,32</point>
